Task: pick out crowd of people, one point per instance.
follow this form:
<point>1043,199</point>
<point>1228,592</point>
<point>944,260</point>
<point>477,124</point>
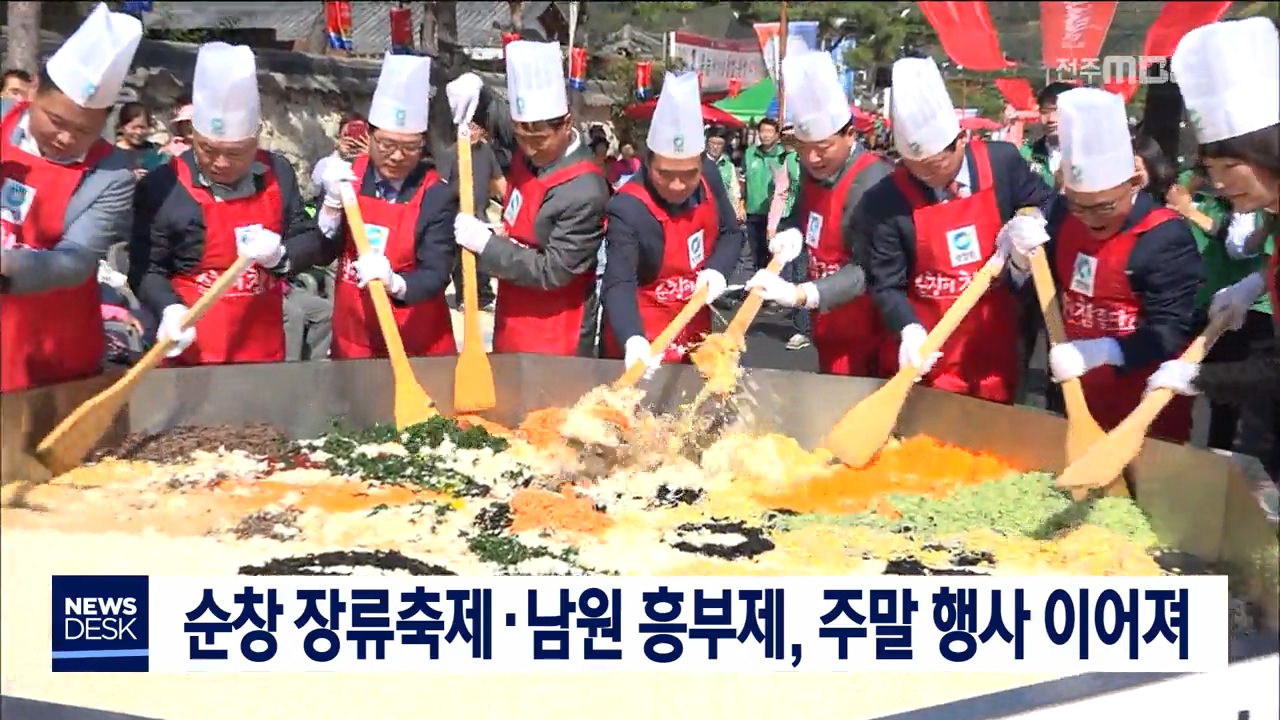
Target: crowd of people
<point>592,253</point>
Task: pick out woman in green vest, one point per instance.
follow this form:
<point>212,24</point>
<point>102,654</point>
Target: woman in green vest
<point>1222,235</point>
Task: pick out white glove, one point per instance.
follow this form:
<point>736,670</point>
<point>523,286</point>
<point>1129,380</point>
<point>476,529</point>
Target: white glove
<point>1176,375</point>
<point>261,246</point>
<point>715,283</point>
<point>375,266</point>
<point>637,350</point>
<point>786,245</point>
<point>471,233</point>
<point>1022,236</point>
<point>1073,359</point>
<point>773,288</point>
<point>464,96</point>
<point>1231,304</point>
<point>336,172</point>
<point>170,329</point>
<point>913,337</point>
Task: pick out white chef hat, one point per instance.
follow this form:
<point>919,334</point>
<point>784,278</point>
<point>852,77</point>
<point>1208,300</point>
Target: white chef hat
<point>924,120</point>
<point>224,94</point>
<point>535,81</point>
<point>1229,76</point>
<point>815,98</point>
<point>1097,152</point>
<point>403,94</point>
<point>676,128</point>
<point>92,64</point>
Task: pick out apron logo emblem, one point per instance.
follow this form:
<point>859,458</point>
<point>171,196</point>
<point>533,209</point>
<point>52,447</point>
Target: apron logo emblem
<point>378,235</point>
<point>15,201</point>
<point>813,230</point>
<point>697,250</point>
<point>963,246</point>
<point>1083,274</point>
<point>400,117</point>
<point>512,210</point>
<point>215,124</point>
<point>678,143</point>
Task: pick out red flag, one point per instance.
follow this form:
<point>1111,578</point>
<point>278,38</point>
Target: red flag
<point>401,28</point>
<point>1018,92</point>
<point>967,34</point>
<point>1175,20</point>
<point>735,86</point>
<point>1073,32</point>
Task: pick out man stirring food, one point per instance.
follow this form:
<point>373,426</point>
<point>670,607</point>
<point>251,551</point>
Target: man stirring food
<point>553,214</point>
<point>391,183</point>
<point>1127,267</point>
<point>671,230</point>
<point>67,196</point>
<point>837,172</point>
<point>936,224</point>
<point>222,199</point>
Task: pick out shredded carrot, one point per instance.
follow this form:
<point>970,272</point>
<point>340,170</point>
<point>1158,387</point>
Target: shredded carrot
<point>565,511</point>
<point>541,428</point>
<point>918,466</point>
<point>330,497</point>
<point>493,428</point>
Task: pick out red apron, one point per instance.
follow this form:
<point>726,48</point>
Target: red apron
<point>426,328</point>
<point>848,338</point>
<point>954,239</point>
<point>1098,302</point>
<point>56,336</point>
<point>688,239</point>
<point>245,325</point>
<point>532,320</point>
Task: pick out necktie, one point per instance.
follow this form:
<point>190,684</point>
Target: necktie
<point>386,191</point>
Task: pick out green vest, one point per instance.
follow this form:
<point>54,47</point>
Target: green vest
<point>1039,163</point>
<point>1219,268</point>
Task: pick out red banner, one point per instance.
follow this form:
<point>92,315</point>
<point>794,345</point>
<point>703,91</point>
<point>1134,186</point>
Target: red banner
<point>967,34</point>
<point>1017,92</point>
<point>401,29</point>
<point>337,21</point>
<point>644,69</point>
<point>1175,20</point>
<point>1073,32</point>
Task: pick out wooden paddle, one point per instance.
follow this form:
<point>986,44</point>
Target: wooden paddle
<point>412,404</point>
<point>1108,458</point>
<point>473,389</point>
<point>16,463</point>
<point>741,322</point>
<point>1082,430</point>
<point>79,433</point>
<point>659,345</point>
<point>866,427</point>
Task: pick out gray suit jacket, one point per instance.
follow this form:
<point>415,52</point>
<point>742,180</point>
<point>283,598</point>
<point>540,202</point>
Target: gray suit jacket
<point>99,215</point>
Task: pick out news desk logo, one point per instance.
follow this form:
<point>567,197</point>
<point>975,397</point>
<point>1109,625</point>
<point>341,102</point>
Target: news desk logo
<point>1112,70</point>
<point>100,623</point>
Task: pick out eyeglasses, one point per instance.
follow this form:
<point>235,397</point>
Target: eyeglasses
<point>1096,210</point>
<point>389,148</point>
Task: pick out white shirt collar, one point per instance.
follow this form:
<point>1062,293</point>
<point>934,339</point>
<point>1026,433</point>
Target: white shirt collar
<point>962,180</point>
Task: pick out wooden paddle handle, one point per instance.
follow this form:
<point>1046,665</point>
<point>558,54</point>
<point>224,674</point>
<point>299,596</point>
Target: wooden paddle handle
<point>1155,401</point>
<point>1072,391</point>
<point>156,354</point>
<point>659,345</point>
<point>378,293</point>
<point>956,314</point>
<point>472,334</point>
<point>741,322</point>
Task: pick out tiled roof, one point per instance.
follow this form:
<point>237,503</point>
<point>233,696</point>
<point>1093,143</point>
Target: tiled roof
<point>480,24</point>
